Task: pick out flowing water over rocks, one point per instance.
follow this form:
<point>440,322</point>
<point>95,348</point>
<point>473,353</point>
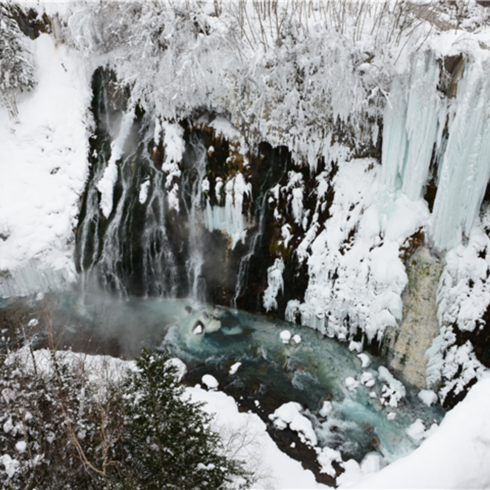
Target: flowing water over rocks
<point>352,402</point>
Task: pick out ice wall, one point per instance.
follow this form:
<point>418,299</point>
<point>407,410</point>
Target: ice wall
<point>420,125</point>
<point>412,116</point>
<point>465,167</point>
<point>355,277</point>
<point>414,120</point>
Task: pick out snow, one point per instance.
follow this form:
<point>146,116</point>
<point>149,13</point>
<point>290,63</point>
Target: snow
<point>355,346</point>
<point>173,141</point>
<point>428,397</point>
<point>393,391</point>
<point>274,468</point>
<point>367,379</point>
<point>289,415</point>
<point>362,278</point>
<point>458,302</point>
<point>11,465</point>
<point>225,129</point>
<point>326,408</point>
<point>365,360</point>
<point>453,456</point>
<point>285,336</point>
<point>371,464</point>
<point>234,368</point>
<point>180,367</point>
<point>44,152</point>
<point>143,195</point>
<point>437,463</point>
<point>21,446</point>
<point>109,178</point>
<point>351,383</point>
<point>210,381</point>
<point>326,457</point>
<point>275,284</point>
<point>417,430</point>
<point>99,367</point>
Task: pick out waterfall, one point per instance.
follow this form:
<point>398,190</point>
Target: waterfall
<point>244,264</point>
<point>147,226</point>
<point>160,271</point>
<point>193,201</point>
<point>123,242</point>
<point>256,240</point>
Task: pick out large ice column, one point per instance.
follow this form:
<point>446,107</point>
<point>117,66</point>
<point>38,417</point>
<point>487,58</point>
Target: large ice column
<point>394,139</point>
<point>423,112</point>
<point>410,131</point>
<point>465,168</point>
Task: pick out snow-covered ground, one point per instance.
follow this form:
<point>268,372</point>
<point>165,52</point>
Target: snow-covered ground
<point>275,469</point>
<point>43,168</point>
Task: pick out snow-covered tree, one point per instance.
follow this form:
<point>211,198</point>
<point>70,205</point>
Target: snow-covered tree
<point>16,70</point>
<point>168,440</point>
<point>63,427</point>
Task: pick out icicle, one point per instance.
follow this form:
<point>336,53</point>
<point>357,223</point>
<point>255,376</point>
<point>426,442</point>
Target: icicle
<point>421,125</point>
<point>230,218</point>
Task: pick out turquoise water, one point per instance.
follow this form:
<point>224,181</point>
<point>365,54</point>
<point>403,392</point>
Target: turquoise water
<point>310,372</point>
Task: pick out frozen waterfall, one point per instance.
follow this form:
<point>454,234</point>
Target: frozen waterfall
<point>411,120</point>
<point>417,123</point>
<point>465,167</point>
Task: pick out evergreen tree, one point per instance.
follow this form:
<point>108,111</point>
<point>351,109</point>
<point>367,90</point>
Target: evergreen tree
<point>16,71</point>
<point>168,439</point>
<point>62,428</point>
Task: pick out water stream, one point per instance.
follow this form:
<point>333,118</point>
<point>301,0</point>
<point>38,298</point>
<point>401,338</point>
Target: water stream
<point>312,371</point>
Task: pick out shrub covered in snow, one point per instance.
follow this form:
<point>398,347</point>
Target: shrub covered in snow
<point>16,71</point>
<point>63,427</point>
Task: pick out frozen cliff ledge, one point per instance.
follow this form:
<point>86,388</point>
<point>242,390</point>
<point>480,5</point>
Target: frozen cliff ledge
<point>42,172</point>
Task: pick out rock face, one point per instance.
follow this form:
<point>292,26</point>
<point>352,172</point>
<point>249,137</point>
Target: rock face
<point>193,208</point>
<point>419,326</point>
